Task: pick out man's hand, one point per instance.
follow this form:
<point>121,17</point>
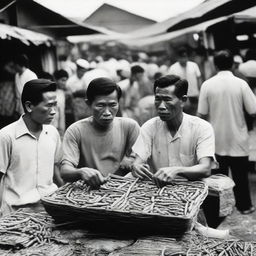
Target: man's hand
<point>92,177</point>
<point>141,171</point>
<point>165,175</point>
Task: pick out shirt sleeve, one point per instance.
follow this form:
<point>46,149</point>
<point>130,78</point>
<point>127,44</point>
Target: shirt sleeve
<point>249,99</point>
<point>203,107</point>
<point>143,144</point>
<point>5,152</point>
<point>205,146</point>
<point>71,152</point>
<point>133,132</point>
<point>59,152</point>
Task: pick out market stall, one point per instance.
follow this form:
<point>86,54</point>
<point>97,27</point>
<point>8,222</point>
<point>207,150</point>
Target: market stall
<point>120,200</point>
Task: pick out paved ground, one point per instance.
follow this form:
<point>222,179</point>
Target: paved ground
<point>243,226</point>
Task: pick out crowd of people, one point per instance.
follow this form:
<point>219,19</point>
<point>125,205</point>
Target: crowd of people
<point>137,119</point>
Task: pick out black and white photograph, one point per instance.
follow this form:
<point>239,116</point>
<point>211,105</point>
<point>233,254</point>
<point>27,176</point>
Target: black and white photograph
<point>127,127</point>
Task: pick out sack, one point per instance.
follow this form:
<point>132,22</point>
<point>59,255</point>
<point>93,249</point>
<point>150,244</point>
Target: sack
<point>222,186</point>
<point>219,182</point>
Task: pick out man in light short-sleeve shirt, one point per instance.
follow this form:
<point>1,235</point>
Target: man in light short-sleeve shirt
<point>176,143</point>
<point>96,146</point>
<point>104,151</point>
<point>30,149</point>
<point>223,100</point>
<point>193,141</point>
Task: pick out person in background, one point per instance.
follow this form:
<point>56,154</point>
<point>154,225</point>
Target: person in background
<point>101,144</point>
<point>190,71</point>
<point>45,75</point>
<point>222,101</point>
<point>77,86</point>
<point>30,150</point>
<point>248,68</point>
<point>60,77</point>
<point>133,91</point>
<point>66,64</point>
<point>235,69</point>
<point>23,75</point>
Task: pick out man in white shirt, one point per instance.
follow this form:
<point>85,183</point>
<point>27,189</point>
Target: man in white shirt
<point>174,144</point>
<point>222,101</point>
<point>23,75</point>
<point>30,150</point>
<point>77,86</point>
<point>190,71</point>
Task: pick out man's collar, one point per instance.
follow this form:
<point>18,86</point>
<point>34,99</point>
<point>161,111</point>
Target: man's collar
<point>178,134</point>
<point>225,72</point>
<point>22,129</point>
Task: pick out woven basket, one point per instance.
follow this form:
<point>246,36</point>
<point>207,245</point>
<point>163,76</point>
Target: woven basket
<point>117,220</point>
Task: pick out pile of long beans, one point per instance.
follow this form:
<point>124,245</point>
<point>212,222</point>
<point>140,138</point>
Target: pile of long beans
<point>199,245</point>
<point>205,246</point>
<point>128,195</point>
<point>23,229</point>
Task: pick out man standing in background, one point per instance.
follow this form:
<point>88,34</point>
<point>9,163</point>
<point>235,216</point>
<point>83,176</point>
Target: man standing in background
<point>23,75</point>
<point>222,101</point>
<point>190,71</point>
<point>76,84</point>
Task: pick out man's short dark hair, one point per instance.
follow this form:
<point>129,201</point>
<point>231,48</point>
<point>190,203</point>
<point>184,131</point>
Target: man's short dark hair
<point>182,51</point>
<point>223,60</point>
<point>45,75</point>
<point>181,85</point>
<point>58,74</point>
<point>102,86</point>
<point>33,91</point>
<point>137,69</point>
<point>22,60</point>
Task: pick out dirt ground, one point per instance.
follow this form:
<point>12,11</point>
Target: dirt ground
<point>243,226</point>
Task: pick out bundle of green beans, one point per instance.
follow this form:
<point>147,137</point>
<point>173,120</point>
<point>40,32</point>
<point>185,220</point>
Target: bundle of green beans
<point>199,245</point>
<point>22,229</point>
<point>128,195</point>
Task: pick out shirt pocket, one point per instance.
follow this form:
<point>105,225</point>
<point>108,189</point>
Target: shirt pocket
<point>187,160</point>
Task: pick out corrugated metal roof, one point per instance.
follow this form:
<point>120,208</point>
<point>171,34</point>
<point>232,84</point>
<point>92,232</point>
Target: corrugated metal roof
<point>24,35</point>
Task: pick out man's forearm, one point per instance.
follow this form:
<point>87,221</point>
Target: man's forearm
<point>195,172</point>
<point>70,173</point>
<point>57,179</point>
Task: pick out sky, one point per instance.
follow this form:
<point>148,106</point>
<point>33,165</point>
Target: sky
<point>157,10</point>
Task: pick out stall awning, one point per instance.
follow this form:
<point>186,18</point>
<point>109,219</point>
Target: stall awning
<point>94,38</point>
<point>208,10</point>
<point>246,15</point>
<point>24,35</point>
<point>171,35</point>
